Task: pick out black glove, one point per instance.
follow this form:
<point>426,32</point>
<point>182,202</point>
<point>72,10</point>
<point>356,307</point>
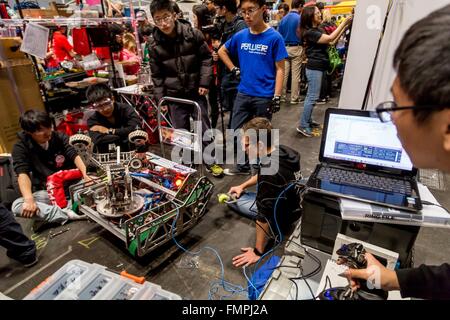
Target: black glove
<point>236,72</point>
<point>275,104</point>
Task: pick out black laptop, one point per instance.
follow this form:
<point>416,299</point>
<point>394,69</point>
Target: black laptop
<point>362,158</point>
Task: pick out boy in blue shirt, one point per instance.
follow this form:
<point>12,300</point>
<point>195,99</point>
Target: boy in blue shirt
<point>261,54</point>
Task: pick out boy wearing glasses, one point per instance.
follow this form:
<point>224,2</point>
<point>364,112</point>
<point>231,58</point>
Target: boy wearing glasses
<point>112,122</point>
<point>181,67</point>
<point>261,54</point>
<point>421,114</point>
<point>40,154</point>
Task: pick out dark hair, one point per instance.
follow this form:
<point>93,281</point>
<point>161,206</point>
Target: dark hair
<point>203,16</point>
<point>320,5</point>
<point>147,30</point>
<point>97,92</point>
<point>422,61</point>
<point>159,5</point>
<point>230,5</point>
<point>307,19</point>
<point>260,3</point>
<point>177,9</point>
<point>34,120</point>
<point>283,6</point>
<point>257,124</point>
<point>115,30</point>
<point>297,4</point>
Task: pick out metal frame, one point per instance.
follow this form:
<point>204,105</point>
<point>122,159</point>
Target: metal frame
<point>141,236</point>
<point>197,135</point>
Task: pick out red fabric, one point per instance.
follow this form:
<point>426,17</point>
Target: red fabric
<point>102,53</point>
<point>3,12</point>
<point>81,41</point>
<point>55,185</point>
<point>127,55</point>
<point>61,47</point>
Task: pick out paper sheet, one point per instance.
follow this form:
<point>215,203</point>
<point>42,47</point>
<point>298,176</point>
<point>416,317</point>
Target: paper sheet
<point>35,40</point>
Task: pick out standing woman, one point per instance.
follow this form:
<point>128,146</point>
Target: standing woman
<point>316,42</point>
<point>202,18</point>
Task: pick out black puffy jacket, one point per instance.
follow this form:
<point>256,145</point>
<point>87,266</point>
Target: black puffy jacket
<point>180,65</point>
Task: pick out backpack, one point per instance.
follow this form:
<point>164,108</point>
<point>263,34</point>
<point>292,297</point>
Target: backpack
<point>334,58</point>
<point>9,187</point>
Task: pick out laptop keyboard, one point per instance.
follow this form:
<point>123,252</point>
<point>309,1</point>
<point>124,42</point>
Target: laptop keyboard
<point>364,180</point>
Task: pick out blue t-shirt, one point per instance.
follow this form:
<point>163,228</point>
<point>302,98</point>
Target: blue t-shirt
<point>257,55</point>
<point>288,28</point>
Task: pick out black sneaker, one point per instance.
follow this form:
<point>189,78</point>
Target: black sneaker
<point>322,101</point>
<point>314,124</point>
<point>235,172</point>
<point>305,131</point>
<point>30,264</point>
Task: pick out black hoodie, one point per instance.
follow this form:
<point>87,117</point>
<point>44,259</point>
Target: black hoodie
<point>30,157</point>
<point>276,173</point>
<point>126,121</point>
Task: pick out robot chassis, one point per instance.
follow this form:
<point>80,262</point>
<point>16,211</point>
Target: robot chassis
<point>143,199</point>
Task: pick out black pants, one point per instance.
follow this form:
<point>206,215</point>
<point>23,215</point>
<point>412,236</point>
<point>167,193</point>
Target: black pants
<point>213,103</point>
<point>18,246</point>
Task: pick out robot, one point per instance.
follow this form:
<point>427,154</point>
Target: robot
<point>142,198</point>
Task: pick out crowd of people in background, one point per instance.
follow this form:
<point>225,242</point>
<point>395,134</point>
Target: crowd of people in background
<point>218,21</point>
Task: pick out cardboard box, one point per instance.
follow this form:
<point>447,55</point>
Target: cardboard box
<point>10,48</point>
<point>39,13</point>
<point>29,93</point>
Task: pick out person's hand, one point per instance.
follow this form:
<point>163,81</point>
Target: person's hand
<point>100,129</point>
<point>275,104</point>
<point>376,274</point>
<point>348,20</point>
<point>29,208</point>
<point>236,72</point>
<point>164,109</point>
<point>248,257</point>
<point>237,190</point>
<point>202,91</point>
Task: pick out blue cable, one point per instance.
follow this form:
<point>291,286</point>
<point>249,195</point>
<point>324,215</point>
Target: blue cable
<point>227,286</point>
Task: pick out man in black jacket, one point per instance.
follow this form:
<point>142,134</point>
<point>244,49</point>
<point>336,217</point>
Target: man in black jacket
<point>181,66</point>
<point>421,113</point>
<point>277,168</point>
<point>40,153</point>
<point>112,122</point>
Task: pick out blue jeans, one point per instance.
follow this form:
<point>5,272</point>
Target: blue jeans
<point>314,83</point>
<point>246,205</point>
<point>246,108</point>
<point>47,211</point>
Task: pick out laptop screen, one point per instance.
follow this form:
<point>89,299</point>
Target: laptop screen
<point>365,140</point>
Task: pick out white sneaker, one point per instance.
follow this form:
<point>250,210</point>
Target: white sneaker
<point>72,215</point>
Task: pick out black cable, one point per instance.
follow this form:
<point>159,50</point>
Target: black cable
<point>428,203</point>
<point>310,290</point>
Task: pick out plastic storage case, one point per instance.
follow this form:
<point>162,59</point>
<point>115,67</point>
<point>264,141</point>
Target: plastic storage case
<point>79,280</point>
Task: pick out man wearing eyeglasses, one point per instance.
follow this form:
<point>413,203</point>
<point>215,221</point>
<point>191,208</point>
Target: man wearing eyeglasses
<point>261,54</point>
<point>112,122</point>
<point>39,154</point>
<point>181,67</point>
<point>421,113</point>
